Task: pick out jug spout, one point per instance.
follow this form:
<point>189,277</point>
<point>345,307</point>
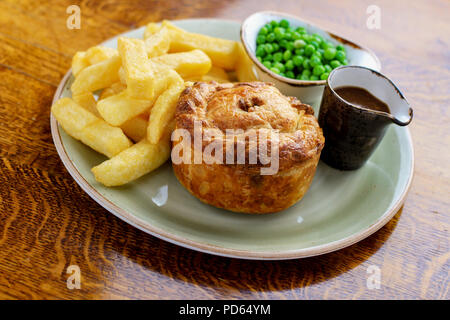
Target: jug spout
<point>402,118</point>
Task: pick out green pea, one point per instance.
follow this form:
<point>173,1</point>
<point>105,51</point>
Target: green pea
<point>324,76</point>
<point>284,23</point>
<point>287,55</point>
<point>325,44</point>
<point>318,38</point>
<point>270,37</point>
<point>345,62</point>
<point>306,72</point>
<point>329,53</point>
<point>260,51</point>
<point>260,59</point>
<point>289,65</point>
<point>334,64</point>
<point>261,39</point>
<point>309,49</point>
<point>282,74</point>
<point>315,44</point>
<point>276,47</point>
<point>306,64</point>
<point>340,47</point>
<point>267,64</point>
<point>340,55</point>
<point>279,33</point>
<point>297,60</point>
<point>263,31</point>
<point>304,77</point>
<point>300,52</point>
<point>277,57</point>
<point>276,70</point>
<point>301,30</point>
<point>279,66</point>
<point>317,54</point>
<point>288,36</point>
<point>327,68</point>
<point>269,48</point>
<point>283,43</point>
<point>313,78</point>
<point>306,37</point>
<point>290,46</point>
<point>268,57</point>
<point>290,74</point>
<point>315,61</point>
<point>298,44</point>
<point>318,70</point>
<point>274,23</point>
<point>296,35</point>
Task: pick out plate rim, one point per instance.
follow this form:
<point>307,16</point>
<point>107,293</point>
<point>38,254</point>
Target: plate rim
<point>210,248</point>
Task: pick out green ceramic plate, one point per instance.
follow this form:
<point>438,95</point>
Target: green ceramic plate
<point>339,209</point>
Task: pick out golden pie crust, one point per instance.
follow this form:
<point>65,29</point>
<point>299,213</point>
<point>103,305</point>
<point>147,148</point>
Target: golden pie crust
<point>253,107</point>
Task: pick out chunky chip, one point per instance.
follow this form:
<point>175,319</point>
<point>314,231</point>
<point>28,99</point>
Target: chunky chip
<point>84,59</point>
<point>97,76</point>
<point>119,108</point>
<point>223,53</point>
<point>163,111</point>
<point>136,128</point>
<point>215,74</point>
<point>186,64</point>
<point>91,130</point>
<point>87,101</point>
<point>158,43</point>
<point>132,163</point>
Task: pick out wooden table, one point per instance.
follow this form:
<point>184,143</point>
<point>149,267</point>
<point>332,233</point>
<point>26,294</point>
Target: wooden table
<point>48,223</point>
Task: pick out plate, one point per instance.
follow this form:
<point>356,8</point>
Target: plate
<point>339,209</point>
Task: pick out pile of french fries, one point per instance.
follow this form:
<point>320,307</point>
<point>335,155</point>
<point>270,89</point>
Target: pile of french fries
<point>123,100</point>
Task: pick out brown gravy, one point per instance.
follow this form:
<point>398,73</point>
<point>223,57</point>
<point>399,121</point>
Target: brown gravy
<point>361,98</point>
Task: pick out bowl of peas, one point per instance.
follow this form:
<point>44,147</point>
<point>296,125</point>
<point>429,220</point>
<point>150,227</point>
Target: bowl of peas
<point>298,56</point>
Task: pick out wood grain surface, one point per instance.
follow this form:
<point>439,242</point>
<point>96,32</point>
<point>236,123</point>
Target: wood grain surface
<point>48,223</point>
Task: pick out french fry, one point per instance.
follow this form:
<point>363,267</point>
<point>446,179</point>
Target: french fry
<point>122,76</point>
<point>158,43</point>
<point>151,29</point>
<point>115,88</point>
<point>87,101</point>
<point>91,130</point>
<point>132,163</point>
<point>119,108</point>
<point>163,111</point>
<point>72,117</point>
<point>187,64</point>
<point>140,73</point>
<point>223,53</point>
<point>99,53</point>
<point>79,62</point>
<point>104,138</point>
<point>244,65</point>
<point>84,59</point>
<point>215,74</point>
<point>136,128</point>
<point>97,76</point>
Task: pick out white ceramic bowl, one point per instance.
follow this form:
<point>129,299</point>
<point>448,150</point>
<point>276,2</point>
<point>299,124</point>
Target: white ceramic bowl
<point>307,91</point>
